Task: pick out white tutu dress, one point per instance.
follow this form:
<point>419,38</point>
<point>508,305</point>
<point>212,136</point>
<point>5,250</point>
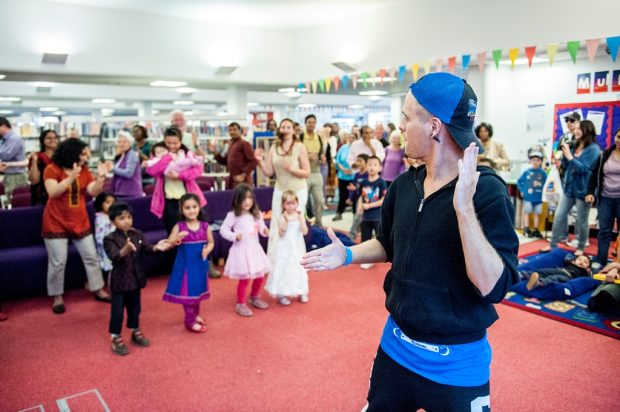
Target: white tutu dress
<point>289,278</point>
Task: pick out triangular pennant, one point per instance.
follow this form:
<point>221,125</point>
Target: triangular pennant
<point>530,52</point>
<point>415,69</point>
<point>372,78</point>
<point>314,86</point>
<point>336,83</point>
<point>401,73</point>
<point>381,76</point>
<point>427,66</point>
<point>328,84</point>
<point>592,46</point>
<point>364,76</point>
<point>465,61</point>
<point>438,65</point>
<point>512,55</point>
<point>322,85</point>
<point>345,82</point>
<point>573,48</point>
<point>354,81</point>
<point>392,73</point>
<point>497,55</point>
<point>308,89</point>
<point>452,63</point>
<point>481,58</point>
<point>300,86</point>
<point>613,43</point>
<point>552,50</point>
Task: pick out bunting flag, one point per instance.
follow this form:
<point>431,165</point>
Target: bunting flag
<point>552,50</point>
<point>438,65</point>
<point>427,66</point>
<point>401,73</point>
<point>308,89</point>
<point>322,85</point>
<point>592,46</point>
<point>336,83</point>
<point>364,76</point>
<point>354,81</point>
<point>465,61</point>
<point>345,82</point>
<point>613,43</point>
<point>300,86</point>
<point>512,55</point>
<point>328,84</point>
<point>381,76</point>
<point>415,68</point>
<point>530,52</point>
<point>497,55</point>
<point>481,58</point>
<point>314,86</point>
<point>392,73</point>
<point>372,77</point>
<point>573,47</point>
<point>452,63</point>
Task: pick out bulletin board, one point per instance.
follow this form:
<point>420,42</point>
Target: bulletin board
<point>604,115</point>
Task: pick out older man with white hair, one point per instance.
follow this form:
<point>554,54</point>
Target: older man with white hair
<point>190,139</point>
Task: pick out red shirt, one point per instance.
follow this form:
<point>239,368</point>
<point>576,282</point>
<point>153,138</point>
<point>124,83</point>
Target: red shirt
<point>239,159</point>
<point>65,216</point>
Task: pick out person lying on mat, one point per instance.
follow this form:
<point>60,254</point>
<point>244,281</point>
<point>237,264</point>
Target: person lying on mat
<point>606,297</point>
<point>447,229</point>
<point>572,268</point>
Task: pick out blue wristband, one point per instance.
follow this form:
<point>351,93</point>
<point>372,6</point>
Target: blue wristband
<point>349,256</point>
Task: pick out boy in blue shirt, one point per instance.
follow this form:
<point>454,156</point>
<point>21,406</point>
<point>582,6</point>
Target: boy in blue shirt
<point>354,186</point>
<point>530,184</point>
<point>372,192</point>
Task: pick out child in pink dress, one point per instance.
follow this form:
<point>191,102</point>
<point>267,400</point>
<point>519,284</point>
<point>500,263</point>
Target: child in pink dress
<point>246,259</point>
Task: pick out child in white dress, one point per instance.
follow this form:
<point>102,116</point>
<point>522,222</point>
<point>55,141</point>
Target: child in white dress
<point>289,278</point>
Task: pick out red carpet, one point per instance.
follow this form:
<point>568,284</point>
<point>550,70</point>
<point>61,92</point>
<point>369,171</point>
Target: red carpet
<point>313,357</point>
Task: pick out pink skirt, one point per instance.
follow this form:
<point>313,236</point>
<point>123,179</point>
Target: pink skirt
<point>246,260</point>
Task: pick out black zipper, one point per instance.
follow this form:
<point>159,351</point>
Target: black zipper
<point>415,231</point>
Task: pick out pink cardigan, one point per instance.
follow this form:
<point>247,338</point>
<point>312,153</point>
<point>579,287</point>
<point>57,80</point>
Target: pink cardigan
<point>187,176</point>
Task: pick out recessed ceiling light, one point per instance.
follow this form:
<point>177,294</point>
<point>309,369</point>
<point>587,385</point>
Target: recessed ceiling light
<point>2,76</point>
<point>107,112</point>
<point>375,98</point>
<point>59,113</point>
<point>373,93</point>
<point>356,106</point>
<point>222,113</point>
<point>376,79</point>
<point>188,112</point>
<point>6,111</point>
<point>183,102</point>
<point>186,90</point>
<point>48,109</point>
<point>155,111</point>
<point>168,83</point>
<point>293,94</point>
<point>286,90</point>
<point>306,105</point>
<point>9,99</point>
<point>252,104</point>
<point>104,100</point>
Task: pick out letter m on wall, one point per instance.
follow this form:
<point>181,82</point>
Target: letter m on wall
<point>583,83</point>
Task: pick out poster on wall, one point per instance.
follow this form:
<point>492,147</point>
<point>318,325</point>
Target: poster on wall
<point>583,83</point>
<point>604,115</point>
<point>600,82</point>
<point>615,81</point>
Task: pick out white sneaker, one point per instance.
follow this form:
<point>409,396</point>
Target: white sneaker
<point>366,265</point>
<point>575,243</point>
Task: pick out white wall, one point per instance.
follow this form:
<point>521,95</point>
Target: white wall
<point>508,92</point>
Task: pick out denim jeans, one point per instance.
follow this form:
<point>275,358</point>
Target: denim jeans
<point>560,222</point>
<point>608,212</point>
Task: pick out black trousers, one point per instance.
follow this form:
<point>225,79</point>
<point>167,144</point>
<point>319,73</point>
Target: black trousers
<point>120,301</point>
<point>367,227</point>
<point>171,214</point>
<point>395,388</point>
<point>343,195</point>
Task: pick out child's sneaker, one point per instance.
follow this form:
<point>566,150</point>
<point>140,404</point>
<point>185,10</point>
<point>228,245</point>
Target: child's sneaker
<point>537,234</point>
<point>138,338</point>
<point>533,282</point>
<point>304,298</point>
<point>258,303</point>
<point>366,265</point>
<point>243,310</point>
<point>527,232</point>
<point>284,301</point>
<point>119,347</point>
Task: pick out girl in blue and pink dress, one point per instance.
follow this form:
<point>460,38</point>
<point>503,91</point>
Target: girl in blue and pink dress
<point>188,281</point>
<point>247,261</point>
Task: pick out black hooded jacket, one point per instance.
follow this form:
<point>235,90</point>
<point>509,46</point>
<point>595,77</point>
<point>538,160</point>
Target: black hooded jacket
<point>428,292</point>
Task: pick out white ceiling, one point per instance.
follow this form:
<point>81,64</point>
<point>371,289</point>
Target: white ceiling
<point>253,13</point>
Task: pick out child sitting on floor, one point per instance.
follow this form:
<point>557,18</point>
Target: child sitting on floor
<point>572,268</point>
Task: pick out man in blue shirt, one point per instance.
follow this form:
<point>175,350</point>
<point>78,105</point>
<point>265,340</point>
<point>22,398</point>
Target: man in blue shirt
<point>12,150</point>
